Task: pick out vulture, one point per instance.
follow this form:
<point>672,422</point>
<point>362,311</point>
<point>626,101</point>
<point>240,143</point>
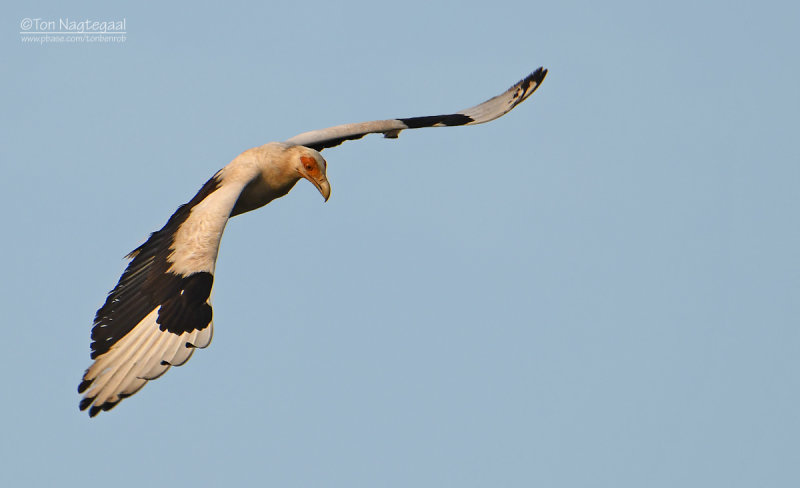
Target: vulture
<point>160,312</point>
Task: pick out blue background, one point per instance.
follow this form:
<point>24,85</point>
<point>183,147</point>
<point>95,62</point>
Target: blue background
<point>598,289</point>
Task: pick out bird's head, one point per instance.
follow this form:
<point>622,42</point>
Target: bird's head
<point>310,164</point>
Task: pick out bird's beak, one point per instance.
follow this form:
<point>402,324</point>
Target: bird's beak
<point>322,185</point>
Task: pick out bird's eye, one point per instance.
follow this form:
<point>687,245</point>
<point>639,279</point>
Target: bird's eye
<point>308,162</point>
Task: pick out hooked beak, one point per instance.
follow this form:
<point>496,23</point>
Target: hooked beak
<point>322,185</point>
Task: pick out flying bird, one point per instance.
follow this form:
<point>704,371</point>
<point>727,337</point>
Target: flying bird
<point>160,310</point>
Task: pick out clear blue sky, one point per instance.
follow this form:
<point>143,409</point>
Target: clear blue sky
<point>599,289</point>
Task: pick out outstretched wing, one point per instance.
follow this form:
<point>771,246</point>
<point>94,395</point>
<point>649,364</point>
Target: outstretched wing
<point>160,311</point>
<point>485,112</point>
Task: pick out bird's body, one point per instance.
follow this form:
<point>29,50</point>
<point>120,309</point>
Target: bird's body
<point>159,312</point>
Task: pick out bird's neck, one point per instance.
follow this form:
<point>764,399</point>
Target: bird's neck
<point>258,193</point>
<point>268,177</point>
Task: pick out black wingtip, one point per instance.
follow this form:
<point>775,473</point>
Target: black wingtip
<point>539,74</point>
<point>84,404</point>
<point>84,385</point>
<point>536,77</point>
<point>95,409</point>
